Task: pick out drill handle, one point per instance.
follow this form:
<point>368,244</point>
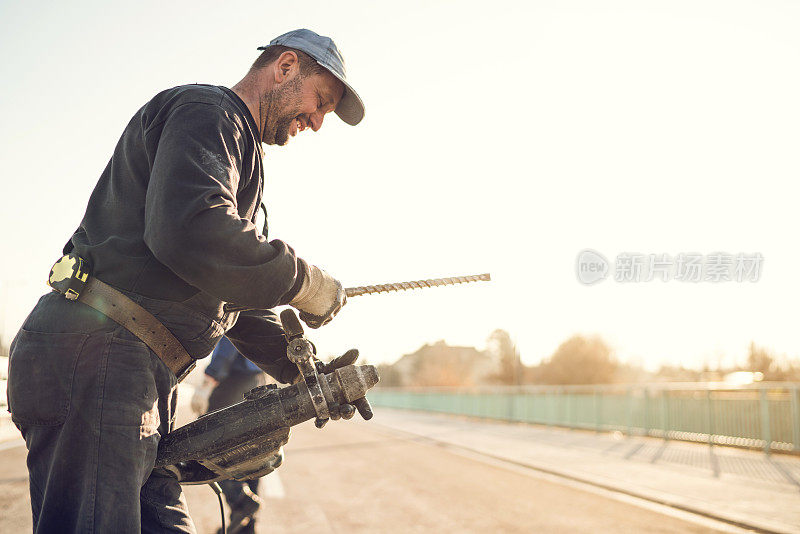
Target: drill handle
<point>291,324</point>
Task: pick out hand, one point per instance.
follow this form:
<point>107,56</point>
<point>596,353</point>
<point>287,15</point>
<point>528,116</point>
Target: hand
<point>201,395</point>
<point>320,297</point>
<point>348,358</point>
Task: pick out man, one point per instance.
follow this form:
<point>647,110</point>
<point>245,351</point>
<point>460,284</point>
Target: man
<point>228,376</point>
<point>168,232</point>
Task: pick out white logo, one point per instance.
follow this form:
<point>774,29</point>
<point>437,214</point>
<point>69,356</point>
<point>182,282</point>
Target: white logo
<point>719,267</point>
<point>591,267</point>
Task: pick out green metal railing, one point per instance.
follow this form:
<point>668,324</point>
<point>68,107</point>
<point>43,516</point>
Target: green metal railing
<point>765,416</point>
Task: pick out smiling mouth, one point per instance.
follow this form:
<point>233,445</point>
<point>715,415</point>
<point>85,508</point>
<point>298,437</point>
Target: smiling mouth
<point>297,127</point>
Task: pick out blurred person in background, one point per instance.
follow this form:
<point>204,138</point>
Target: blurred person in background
<point>227,378</point>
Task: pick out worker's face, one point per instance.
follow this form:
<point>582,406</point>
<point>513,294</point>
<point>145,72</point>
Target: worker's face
<point>299,102</point>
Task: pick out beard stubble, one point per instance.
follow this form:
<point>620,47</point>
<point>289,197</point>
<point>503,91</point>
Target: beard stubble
<point>281,106</point>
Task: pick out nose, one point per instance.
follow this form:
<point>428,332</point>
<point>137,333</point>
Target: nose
<point>316,119</point>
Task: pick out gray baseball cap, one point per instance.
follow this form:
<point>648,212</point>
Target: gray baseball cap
<point>325,52</point>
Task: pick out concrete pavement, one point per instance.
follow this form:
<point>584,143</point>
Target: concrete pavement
<point>355,476</point>
<point>366,477</point>
<point>741,487</point>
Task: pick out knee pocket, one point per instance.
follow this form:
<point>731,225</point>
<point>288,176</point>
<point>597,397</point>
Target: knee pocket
<point>41,370</point>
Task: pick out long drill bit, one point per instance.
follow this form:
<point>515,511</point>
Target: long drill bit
<point>416,284</point>
<point>397,286</point>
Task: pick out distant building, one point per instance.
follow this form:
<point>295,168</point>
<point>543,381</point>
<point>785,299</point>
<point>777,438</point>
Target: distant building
<point>440,364</point>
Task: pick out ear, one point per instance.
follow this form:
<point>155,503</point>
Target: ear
<point>286,66</point>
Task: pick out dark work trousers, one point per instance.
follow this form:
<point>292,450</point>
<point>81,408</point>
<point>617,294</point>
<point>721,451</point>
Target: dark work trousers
<point>92,402</point>
<point>231,390</point>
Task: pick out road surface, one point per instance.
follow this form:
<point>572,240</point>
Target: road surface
<point>362,477</point>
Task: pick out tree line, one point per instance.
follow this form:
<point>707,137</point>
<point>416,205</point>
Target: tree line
<point>579,360</point>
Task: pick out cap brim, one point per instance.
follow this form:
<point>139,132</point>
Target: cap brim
<point>350,108</point>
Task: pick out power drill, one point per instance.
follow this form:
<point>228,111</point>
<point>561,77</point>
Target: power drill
<point>245,441</point>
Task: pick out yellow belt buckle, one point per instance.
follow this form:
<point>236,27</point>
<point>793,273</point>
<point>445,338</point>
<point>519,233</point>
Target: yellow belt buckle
<point>69,275</point>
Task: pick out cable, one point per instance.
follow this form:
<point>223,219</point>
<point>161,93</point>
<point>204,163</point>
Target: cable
<point>218,491</point>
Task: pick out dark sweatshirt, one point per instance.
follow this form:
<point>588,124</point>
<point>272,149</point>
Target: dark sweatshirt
<point>172,218</point>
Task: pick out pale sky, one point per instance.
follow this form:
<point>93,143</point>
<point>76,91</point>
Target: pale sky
<point>500,137</point>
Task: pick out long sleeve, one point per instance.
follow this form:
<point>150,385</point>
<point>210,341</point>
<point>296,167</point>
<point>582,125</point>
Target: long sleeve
<point>259,337</point>
<point>192,220</point>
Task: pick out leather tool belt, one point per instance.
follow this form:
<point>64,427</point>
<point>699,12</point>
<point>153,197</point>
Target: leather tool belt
<point>71,277</point>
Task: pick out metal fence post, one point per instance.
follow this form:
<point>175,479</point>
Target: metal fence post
<point>709,417</point>
<point>765,429</point>
<point>646,422</point>
<point>598,411</point>
<point>665,413</point>
<point>573,403</point>
<point>523,395</point>
<point>629,415</point>
<point>567,402</point>
<point>796,418</point>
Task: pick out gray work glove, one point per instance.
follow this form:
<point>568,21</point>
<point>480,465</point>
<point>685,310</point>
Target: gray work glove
<point>348,358</point>
<point>361,405</point>
<point>320,298</point>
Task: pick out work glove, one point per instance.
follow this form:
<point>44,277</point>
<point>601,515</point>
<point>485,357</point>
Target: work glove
<point>320,297</point>
<point>348,358</point>
<point>346,411</point>
<point>201,395</point>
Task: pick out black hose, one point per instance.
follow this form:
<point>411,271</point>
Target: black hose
<point>218,491</point>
